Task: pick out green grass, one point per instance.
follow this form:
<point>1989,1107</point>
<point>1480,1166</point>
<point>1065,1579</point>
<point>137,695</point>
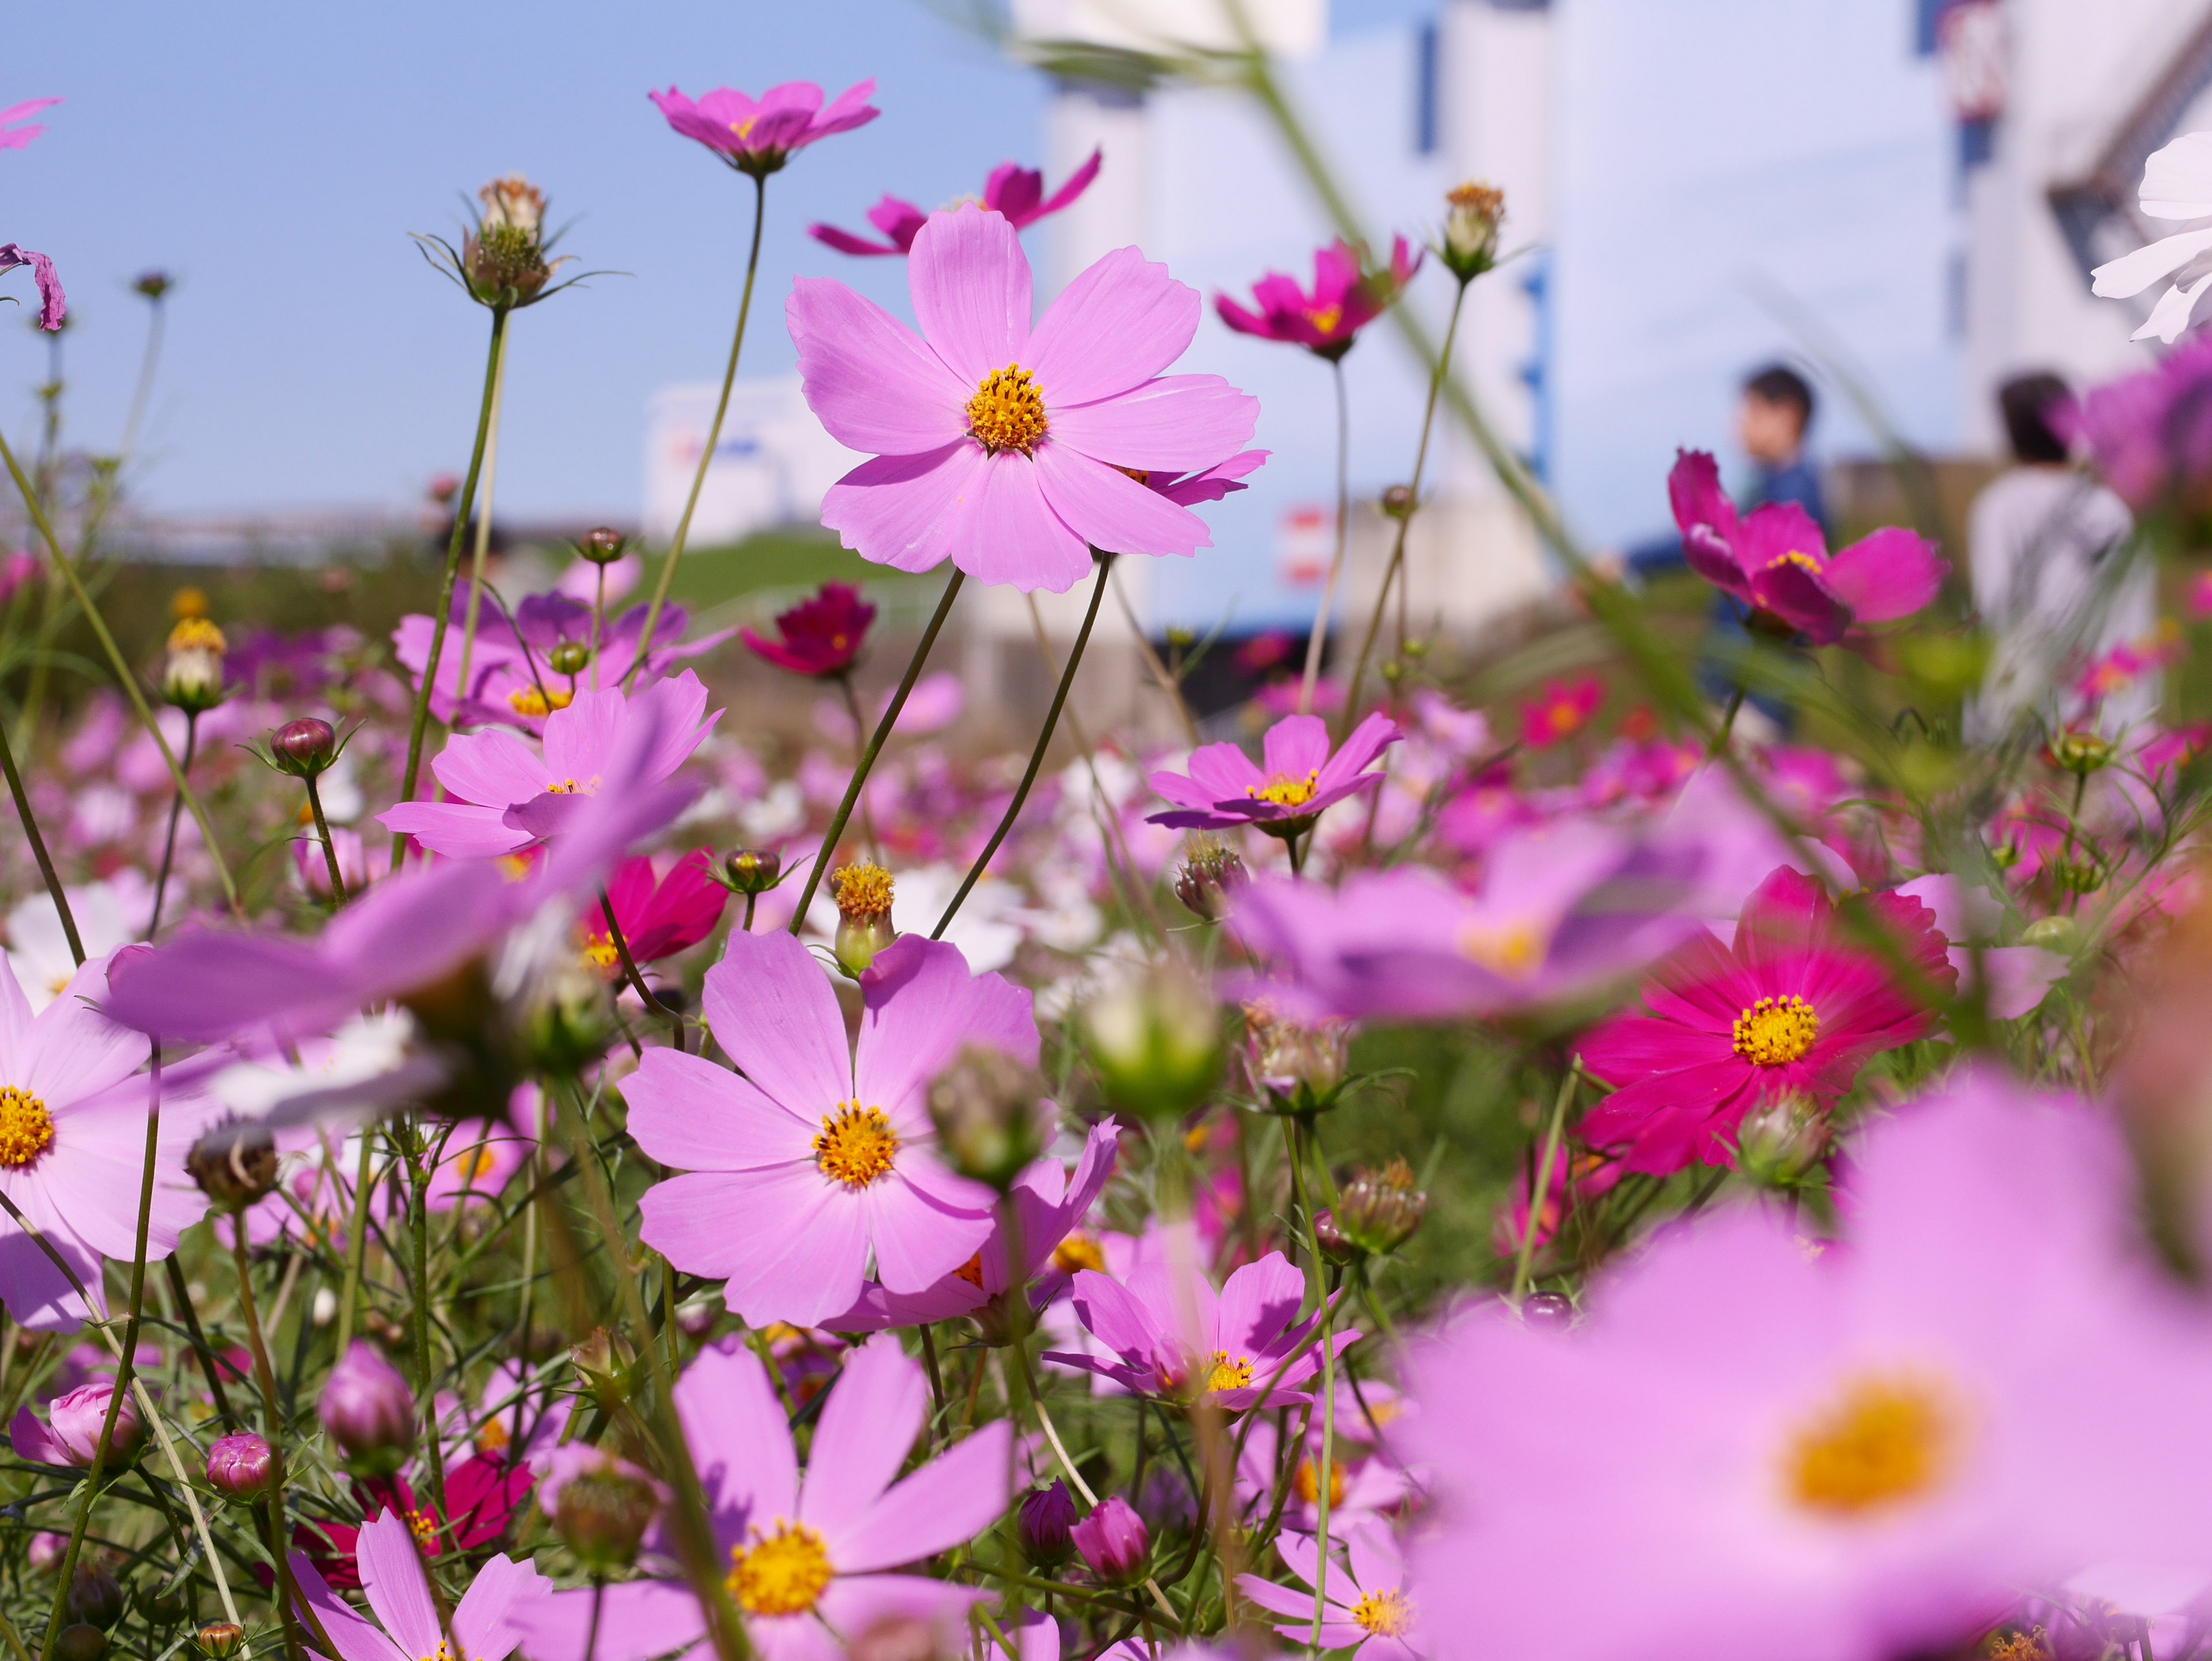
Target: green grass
<point>779,560</point>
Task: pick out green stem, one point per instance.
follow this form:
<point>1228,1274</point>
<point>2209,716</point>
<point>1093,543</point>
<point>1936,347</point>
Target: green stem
<point>418,1180</point>
<point>183,1293</point>
<point>272,1416</point>
<point>1319,638</point>
<point>713,436</point>
<point>176,808</point>
<point>653,1005</point>
<point>38,847</point>
<point>444,618</point>
<point>1036,754</point>
<point>891,712</point>
<point>1540,1190</point>
<point>329,850</point>
<point>1325,1313</point>
<point>483,523</point>
<point>1728,721</point>
<point>356,1241</point>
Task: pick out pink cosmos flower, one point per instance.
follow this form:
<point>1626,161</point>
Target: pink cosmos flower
<point>14,136</point>
<point>1297,780</point>
<point>53,304</point>
<point>1233,1357</point>
<point>818,1158</point>
<point>660,916</point>
<point>1565,708</point>
<point>507,798</point>
<point>1752,1447</point>
<point>759,138</point>
<point>820,636</point>
<point>1016,192</point>
<point>1369,1610</point>
<point>1361,1491</point>
<point>71,1435</point>
<point>1005,448</point>
<point>483,1493</point>
<point>2150,434</point>
<point>807,1553</point>
<point>1793,1008</point>
<point>1775,560</point>
<point>487,1622</point>
<point>1346,299</point>
<point>1050,1202</point>
<point>2019,976</point>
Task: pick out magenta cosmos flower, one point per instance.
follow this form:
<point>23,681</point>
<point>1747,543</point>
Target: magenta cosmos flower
<point>1367,1609</point>
<point>1775,560</point>
<point>818,1158</point>
<point>1753,1447</point>
<point>1016,192</point>
<point>487,1622</point>
<point>2151,433</point>
<point>1346,299</point>
<point>1793,1006</point>
<point>757,137</point>
<point>506,797</point>
<point>1236,1357</point>
<point>1297,780</point>
<point>1563,709</point>
<point>807,1553</point>
<point>14,136</point>
<point>820,636</point>
<point>53,304</point>
<point>72,1142</point>
<point>660,915</point>
<point>1010,450</point>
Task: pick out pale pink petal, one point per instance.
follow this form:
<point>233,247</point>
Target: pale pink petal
<point>920,1005</point>
<point>907,511</point>
<point>1257,1302</point>
<point>1120,322</point>
<point>580,739</point>
<point>714,1222</point>
<point>677,709</point>
<point>1224,770</point>
<point>393,1580</point>
<point>807,1253</point>
<point>770,1008</point>
<point>867,1429</point>
<point>36,1292</point>
<point>689,1113</point>
<point>76,1050</point>
<point>15,1022</point>
<point>457,830</point>
<point>1295,746</point>
<point>1115,1317</point>
<point>2131,273</point>
<point>492,769</point>
<point>970,281</point>
<point>1112,512</point>
<point>355,1638</point>
<point>919,1239</point>
<point>737,1431</point>
<point>948,1502</point>
<point>1181,424</point>
<point>1012,536</point>
<point>502,1590</point>
<point>639,1621</point>
<point>873,384</point>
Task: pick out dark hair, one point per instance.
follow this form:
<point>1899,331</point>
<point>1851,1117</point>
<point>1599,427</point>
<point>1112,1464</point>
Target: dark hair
<point>2027,401</point>
<point>1778,383</point>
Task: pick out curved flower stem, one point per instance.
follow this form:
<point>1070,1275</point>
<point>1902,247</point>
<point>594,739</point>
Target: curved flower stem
<point>272,1415</point>
<point>654,1005</point>
<point>1539,1191</point>
<point>444,618</point>
<point>124,678</point>
<point>1036,754</point>
<point>418,1181</point>
<point>38,847</point>
<point>323,834</point>
<point>1319,638</point>
<point>891,712</point>
<point>713,436</point>
<point>1728,721</point>
<point>1325,1474</point>
<point>176,807</point>
<point>844,679</point>
<point>1395,570</point>
<point>356,1240</point>
<point>483,519</point>
<point>156,326</point>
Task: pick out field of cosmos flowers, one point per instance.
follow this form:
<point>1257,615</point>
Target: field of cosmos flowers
<point>498,1158</point>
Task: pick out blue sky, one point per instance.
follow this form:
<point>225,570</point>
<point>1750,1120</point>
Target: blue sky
<point>275,156</point>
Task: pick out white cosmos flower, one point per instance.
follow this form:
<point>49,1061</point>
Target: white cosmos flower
<point>107,914</point>
<point>2177,184</point>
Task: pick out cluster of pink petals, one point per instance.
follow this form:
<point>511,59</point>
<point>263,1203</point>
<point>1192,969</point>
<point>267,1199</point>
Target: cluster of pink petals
<point>1376,1571</point>
<point>1370,1486</point>
<point>53,304</point>
<point>1297,778</point>
<point>1644,1485</point>
<point>1565,708</point>
<point>487,1624</point>
<point>660,915</point>
<point>864,1522</point>
<point>1775,560</point>
<point>1028,515</point>
<point>758,136</point>
<point>1345,298</point>
<point>757,1208</point>
<point>14,135</point>
<point>1016,192</point>
<point>823,634</point>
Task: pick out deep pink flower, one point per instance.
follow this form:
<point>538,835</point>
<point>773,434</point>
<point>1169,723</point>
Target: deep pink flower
<point>817,1158</point>
<point>1234,1358</point>
<point>1563,709</point>
<point>1775,560</point>
<point>820,636</point>
<point>807,1553</point>
<point>660,916</point>
<point>13,135</point>
<point>1368,1610</point>
<point>1752,1447</point>
<point>506,797</point>
<point>480,1156</point>
<point>1005,448</point>
<point>1365,1489</point>
<point>487,1622</point>
<point>1297,780</point>
<point>53,304</point>
<point>1112,1539</point>
<point>1344,299</point>
<point>759,138</point>
<point>1793,1008</point>
<point>71,1434</point>
<point>1016,192</point>
<point>240,1465</point>
<point>483,1493</point>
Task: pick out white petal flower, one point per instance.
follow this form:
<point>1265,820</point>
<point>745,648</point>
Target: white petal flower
<point>2177,184</point>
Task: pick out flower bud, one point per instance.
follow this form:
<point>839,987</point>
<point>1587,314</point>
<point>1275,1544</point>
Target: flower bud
<point>503,258</point>
<point>2057,933</point>
<point>1114,1541</point>
<point>1472,214</point>
<point>94,1597</point>
<point>606,1367</point>
<point>1043,1524</point>
<point>1335,1244</point>
<point>303,748</point>
<point>2080,753</point>
<point>369,1411</point>
<point>1547,1312</point>
<point>46,1551</point>
<point>192,678</point>
<point>863,892</point>
<point>1155,1040</point>
<point>241,1465</point>
<point>602,544</point>
<point>1298,1065</point>
<point>74,1420</point>
<point>1378,1211</point>
<point>1208,877</point>
<point>235,1163</point>
<point>153,285</point>
<point>753,870</point>
<point>570,657</point>
<point>990,1122</point>
<point>1781,1140</point>
<point>601,1513</point>
<point>162,1605</point>
<point>1398,501</point>
<point>80,1643</point>
<point>218,1640</point>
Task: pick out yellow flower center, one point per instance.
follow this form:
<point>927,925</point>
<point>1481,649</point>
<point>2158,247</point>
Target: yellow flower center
<point>1805,562</point>
<point>529,701</point>
<point>1325,318</point>
<point>492,1436</point>
<point>857,1144</point>
<point>971,1271</point>
<point>26,1131</point>
<point>1515,951</point>
<point>197,635</point>
<point>472,1162</point>
<point>1007,413</point>
<point>1308,1484</point>
<point>862,889</point>
<point>1776,1031</point>
<point>599,952</point>
<point>1228,1374</point>
<point>1078,1251</point>
<point>570,787</point>
<point>1882,1441</point>
<point>443,1654</point>
<point>2019,1646</point>
<point>780,1574</point>
<point>1384,1614</point>
<point>1285,791</point>
<point>424,1527</point>
<point>1563,718</point>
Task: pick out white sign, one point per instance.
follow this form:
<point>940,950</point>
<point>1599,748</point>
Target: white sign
<point>1305,542</point>
<point>772,463</point>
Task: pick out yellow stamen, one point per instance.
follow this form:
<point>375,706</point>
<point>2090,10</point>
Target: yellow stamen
<point>570,787</point>
<point>492,1437</point>
<point>1384,1614</point>
<point>599,952</point>
<point>1882,1441</point>
<point>1776,1031</point>
<point>862,889</point>
<point>1805,562</point>
<point>972,1271</point>
<point>1514,950</point>
<point>1229,1374</point>
<point>471,1164</point>
<point>1007,413</point>
<point>424,1527</point>
<point>1285,791</point>
<point>857,1144</point>
<point>781,1573</point>
<point>197,633</point>
<point>26,1131</point>
<point>1325,318</point>
<point>529,701</point>
<point>1078,1251</point>
<point>1308,1482</point>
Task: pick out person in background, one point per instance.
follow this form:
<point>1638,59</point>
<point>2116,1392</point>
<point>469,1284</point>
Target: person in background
<point>2047,556</point>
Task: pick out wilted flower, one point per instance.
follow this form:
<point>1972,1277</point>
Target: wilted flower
<point>1155,1038</point>
<point>1472,214</point>
<point>602,1510</point>
<point>1297,1064</point>
<point>513,204</point>
<point>235,1163</point>
<point>863,891</point>
<point>369,1411</point>
<point>1378,1211</point>
<point>1114,1541</point>
<point>53,304</point>
<point>1044,1524</point>
<point>240,1465</point>
<point>1211,873</point>
<point>192,679</point>
<point>501,262</point>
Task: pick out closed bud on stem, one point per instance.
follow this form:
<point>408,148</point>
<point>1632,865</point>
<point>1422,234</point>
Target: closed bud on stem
<point>603,544</point>
<point>2056,933</point>
<point>241,1465</point>
<point>162,1605</point>
<point>603,1514</point>
<point>1155,1039</point>
<point>75,1418</point>
<point>1472,214</point>
<point>2080,753</point>
<point>81,1642</point>
<point>1398,501</point>
<point>369,1411</point>
<point>191,678</point>
<point>46,1551</point>
<point>605,1366</point>
<point>1297,1064</point>
<point>218,1640</point>
<point>153,285</point>
<point>1335,1245</point>
<point>1378,1211</point>
<point>95,1596</point>
<point>1044,1526</point>
<point>303,748</point>
<point>753,870</point>
<point>235,1163</point>
<point>570,657</point>
<point>1778,1143</point>
<point>1210,875</point>
<point>863,892</point>
<point>1114,1541</point>
<point>990,1120</point>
